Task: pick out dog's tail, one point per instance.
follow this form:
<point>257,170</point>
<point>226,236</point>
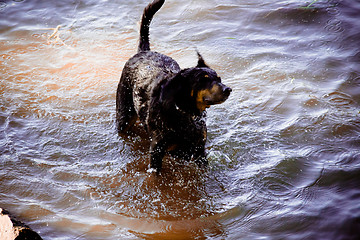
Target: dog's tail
<point>147,16</point>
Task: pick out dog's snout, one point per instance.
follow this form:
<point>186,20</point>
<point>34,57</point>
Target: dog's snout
<point>227,90</point>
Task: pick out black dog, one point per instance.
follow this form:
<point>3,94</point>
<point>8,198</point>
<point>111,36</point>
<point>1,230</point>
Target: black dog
<point>169,102</point>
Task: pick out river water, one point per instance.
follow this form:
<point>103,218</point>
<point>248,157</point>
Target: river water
<point>284,149</point>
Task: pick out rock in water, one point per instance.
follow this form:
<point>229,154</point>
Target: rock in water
<point>12,229</point>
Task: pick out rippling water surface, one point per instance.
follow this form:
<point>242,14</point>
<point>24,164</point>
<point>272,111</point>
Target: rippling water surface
<point>283,149</point>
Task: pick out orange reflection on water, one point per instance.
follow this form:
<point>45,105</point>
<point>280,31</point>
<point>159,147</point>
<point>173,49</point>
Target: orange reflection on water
<point>75,71</point>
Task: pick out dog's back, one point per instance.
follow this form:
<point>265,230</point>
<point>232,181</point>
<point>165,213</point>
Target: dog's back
<point>142,73</point>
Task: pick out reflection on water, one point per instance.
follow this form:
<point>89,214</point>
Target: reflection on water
<point>283,150</point>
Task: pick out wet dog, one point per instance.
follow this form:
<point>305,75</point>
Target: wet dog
<point>169,102</point>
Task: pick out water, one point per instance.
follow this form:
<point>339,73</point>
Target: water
<point>283,149</point>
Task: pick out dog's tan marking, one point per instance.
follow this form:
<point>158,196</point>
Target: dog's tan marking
<point>206,94</point>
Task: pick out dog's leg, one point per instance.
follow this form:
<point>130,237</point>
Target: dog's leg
<point>200,156</point>
<point>200,153</point>
<point>157,153</point>
<point>202,162</point>
<point>125,112</point>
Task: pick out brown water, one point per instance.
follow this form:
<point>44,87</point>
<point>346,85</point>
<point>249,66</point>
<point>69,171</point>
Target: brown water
<point>283,149</point>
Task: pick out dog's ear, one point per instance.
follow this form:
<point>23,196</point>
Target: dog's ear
<point>201,62</point>
<point>170,91</point>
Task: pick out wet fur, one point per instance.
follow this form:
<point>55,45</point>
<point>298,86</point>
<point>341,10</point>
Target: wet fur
<point>169,102</point>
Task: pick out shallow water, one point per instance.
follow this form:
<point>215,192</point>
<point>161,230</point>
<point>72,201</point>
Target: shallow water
<point>283,149</point>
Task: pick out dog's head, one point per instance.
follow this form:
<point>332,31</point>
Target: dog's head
<point>195,89</point>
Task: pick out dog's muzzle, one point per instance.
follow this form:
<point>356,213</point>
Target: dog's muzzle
<point>219,94</point>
